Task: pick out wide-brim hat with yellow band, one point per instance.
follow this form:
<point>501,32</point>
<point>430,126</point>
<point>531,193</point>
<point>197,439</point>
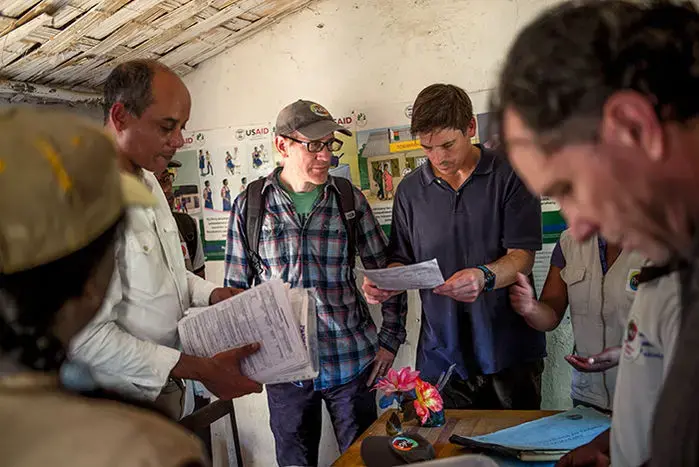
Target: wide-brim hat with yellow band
<point>60,187</point>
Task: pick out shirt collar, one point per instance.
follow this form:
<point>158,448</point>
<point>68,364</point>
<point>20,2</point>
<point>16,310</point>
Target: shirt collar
<point>601,242</point>
<point>485,166</point>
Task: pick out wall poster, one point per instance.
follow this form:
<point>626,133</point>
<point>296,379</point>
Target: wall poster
<point>224,160</point>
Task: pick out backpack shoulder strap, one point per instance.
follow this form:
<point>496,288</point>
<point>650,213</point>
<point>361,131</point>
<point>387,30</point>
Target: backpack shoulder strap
<point>253,223</point>
<point>349,216</point>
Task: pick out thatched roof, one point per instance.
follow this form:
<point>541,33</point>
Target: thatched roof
<point>64,49</point>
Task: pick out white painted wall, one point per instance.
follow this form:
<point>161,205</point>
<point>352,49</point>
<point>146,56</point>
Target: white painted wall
<point>352,54</point>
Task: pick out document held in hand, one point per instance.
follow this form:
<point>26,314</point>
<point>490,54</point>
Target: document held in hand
<point>425,275</point>
<point>281,319</point>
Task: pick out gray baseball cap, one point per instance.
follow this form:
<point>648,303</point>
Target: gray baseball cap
<point>310,119</point>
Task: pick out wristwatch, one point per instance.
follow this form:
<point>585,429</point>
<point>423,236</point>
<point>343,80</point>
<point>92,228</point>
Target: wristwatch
<point>489,278</point>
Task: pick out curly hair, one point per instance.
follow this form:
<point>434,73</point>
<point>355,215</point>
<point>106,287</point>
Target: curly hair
<point>564,66</point>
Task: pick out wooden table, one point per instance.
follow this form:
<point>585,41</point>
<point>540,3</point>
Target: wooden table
<point>462,422</point>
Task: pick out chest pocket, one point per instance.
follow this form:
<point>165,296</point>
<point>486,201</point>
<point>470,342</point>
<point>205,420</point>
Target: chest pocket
<point>143,263</point>
<point>578,284</point>
<point>274,248</point>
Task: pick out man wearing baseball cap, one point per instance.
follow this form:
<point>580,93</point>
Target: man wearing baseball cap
<point>62,203</point>
<point>307,236</point>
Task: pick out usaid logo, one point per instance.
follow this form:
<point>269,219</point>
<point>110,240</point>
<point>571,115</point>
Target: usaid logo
<point>344,121</point>
<point>240,134</point>
<point>257,132</point>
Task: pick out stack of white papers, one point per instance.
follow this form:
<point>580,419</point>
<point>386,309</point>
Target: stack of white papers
<point>281,319</point>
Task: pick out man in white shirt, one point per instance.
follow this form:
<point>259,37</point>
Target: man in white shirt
<point>132,344</point>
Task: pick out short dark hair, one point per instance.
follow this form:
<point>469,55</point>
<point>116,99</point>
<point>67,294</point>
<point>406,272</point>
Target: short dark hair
<point>441,106</point>
<point>564,66</point>
<point>131,83</point>
<point>27,314</point>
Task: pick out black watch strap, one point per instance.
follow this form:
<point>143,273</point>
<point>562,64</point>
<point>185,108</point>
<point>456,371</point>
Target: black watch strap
<point>489,278</point>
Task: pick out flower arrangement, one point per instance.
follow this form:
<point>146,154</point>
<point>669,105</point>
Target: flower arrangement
<point>416,398</point>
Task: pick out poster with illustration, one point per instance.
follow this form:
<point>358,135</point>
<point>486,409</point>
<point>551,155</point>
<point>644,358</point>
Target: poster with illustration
<point>386,156</point>
<point>223,161</point>
<point>344,162</point>
<point>254,145</point>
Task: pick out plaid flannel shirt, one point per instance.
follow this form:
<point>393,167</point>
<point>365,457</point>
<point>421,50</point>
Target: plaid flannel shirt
<point>315,255</point>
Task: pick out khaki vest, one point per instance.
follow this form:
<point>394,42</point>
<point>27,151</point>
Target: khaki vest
<point>46,426</point>
<point>599,308</point>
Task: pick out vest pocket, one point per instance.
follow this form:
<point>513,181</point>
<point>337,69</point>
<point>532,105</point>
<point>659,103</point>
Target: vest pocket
<point>578,282</point>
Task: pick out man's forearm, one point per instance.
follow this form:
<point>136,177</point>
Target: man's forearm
<point>507,267</point>
<point>544,318</point>
<point>394,312</point>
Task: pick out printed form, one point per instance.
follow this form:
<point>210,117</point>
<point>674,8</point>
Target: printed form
<point>425,275</point>
<point>282,320</point>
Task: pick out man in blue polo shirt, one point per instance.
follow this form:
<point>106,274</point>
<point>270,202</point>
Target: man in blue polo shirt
<point>468,209</point>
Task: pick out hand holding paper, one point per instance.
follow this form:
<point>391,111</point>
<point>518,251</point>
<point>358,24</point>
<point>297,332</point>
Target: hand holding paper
<point>425,275</point>
<point>375,295</point>
<point>227,381</point>
<point>464,286</point>
<point>282,320</point>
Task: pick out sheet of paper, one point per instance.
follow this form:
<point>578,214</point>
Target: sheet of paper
<point>263,314</point>
<point>566,431</point>
<point>425,275</point>
<point>304,308</point>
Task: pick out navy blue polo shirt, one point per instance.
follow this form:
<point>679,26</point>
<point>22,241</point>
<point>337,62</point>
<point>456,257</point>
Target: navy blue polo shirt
<point>476,224</point>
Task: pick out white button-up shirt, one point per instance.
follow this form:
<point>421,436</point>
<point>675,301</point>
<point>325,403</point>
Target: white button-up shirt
<point>132,343</point>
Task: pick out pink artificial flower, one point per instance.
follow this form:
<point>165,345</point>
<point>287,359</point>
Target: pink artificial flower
<point>427,398</point>
<point>398,381</point>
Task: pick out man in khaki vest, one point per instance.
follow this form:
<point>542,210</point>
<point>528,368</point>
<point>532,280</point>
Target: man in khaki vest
<point>62,204</point>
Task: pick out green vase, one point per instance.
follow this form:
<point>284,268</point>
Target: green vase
<point>435,419</point>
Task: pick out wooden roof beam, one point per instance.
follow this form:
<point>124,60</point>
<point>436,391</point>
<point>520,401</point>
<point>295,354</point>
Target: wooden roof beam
<point>39,91</point>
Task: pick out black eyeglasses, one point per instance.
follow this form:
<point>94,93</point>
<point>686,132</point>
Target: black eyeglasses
<point>317,146</point>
